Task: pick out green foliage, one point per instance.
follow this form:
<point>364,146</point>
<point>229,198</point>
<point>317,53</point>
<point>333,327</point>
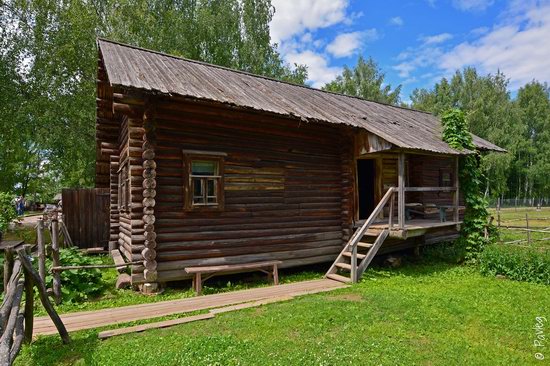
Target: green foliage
<point>433,314</point>
<point>456,134</point>
<point>78,285</point>
<point>365,80</point>
<point>520,125</point>
<point>516,263</point>
<point>455,130</point>
<point>7,211</point>
<point>48,70</point>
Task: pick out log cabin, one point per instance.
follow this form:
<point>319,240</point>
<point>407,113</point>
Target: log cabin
<point>208,166</point>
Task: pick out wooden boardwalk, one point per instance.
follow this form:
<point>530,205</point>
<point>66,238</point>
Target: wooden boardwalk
<point>100,318</point>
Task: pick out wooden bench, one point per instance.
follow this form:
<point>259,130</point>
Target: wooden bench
<point>269,267</point>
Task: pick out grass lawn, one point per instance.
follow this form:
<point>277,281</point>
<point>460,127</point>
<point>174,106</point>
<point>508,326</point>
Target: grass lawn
<point>423,314</point>
<point>538,220</point>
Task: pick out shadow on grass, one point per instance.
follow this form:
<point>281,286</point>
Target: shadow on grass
<point>49,350</point>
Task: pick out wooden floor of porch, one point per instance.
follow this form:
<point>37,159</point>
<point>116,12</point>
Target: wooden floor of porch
<point>412,228</point>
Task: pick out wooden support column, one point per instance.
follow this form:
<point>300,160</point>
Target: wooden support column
<point>348,178</point>
<point>456,195</point>
<point>149,192</point>
<point>401,190</point>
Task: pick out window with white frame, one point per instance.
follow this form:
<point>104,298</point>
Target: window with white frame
<point>204,181</point>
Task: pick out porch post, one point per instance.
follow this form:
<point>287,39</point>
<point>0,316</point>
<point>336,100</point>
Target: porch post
<point>456,196</point>
<point>401,190</point>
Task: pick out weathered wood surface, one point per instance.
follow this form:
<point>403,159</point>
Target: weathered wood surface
<point>162,324</point>
<point>11,321</point>
<point>145,70</point>
<point>53,317</point>
<point>56,281</point>
<point>269,267</point>
<point>283,193</point>
<point>41,249</point>
<point>86,215</point>
<point>252,304</point>
<point>94,319</point>
<point>289,186</point>
<point>231,267</point>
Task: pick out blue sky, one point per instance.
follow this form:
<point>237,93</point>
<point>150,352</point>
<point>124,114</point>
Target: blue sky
<point>416,42</point>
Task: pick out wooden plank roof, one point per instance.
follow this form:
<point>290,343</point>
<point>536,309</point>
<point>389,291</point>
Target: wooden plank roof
<point>155,72</point>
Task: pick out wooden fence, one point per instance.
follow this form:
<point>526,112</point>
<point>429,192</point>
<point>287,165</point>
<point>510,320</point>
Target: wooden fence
<point>16,325</point>
<point>86,215</point>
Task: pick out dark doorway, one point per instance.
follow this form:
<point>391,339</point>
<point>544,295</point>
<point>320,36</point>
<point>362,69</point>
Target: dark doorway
<point>366,175</point>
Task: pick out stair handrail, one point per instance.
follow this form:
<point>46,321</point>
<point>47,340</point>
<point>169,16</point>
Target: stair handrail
<point>359,233</point>
<point>352,242</point>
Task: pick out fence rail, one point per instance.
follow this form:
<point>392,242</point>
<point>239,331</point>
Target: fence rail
<point>16,326</point>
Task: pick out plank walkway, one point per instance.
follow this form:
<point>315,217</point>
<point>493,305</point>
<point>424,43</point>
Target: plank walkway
<point>100,318</point>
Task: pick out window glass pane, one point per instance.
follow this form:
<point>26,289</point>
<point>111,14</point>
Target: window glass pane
<point>204,167</point>
<point>198,191</point>
<point>211,187</point>
<point>211,191</point>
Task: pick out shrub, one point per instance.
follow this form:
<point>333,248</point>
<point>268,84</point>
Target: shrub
<point>78,285</point>
<point>7,211</point>
<point>516,263</point>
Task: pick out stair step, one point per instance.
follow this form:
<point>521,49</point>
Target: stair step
<point>364,245</point>
<point>339,278</point>
<point>344,266</point>
<point>359,255</point>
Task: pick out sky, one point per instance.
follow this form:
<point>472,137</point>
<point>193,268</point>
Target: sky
<point>416,42</point>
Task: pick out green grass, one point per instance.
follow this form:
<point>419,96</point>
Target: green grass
<point>539,220</point>
<point>421,314</point>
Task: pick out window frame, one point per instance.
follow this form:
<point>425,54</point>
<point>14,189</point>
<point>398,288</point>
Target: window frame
<point>124,198</point>
<point>195,155</point>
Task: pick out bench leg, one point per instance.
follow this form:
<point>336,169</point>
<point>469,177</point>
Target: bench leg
<point>197,284</point>
<point>275,275</point>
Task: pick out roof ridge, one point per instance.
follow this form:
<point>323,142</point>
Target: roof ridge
<point>259,76</point>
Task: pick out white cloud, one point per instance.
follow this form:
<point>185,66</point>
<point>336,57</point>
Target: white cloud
<point>517,46</point>
<point>396,21</point>
<point>292,18</point>
<point>413,59</point>
<point>472,5</point>
<point>520,50</point>
<point>295,27</point>
<point>319,71</point>
<point>346,44</point>
<point>438,38</point>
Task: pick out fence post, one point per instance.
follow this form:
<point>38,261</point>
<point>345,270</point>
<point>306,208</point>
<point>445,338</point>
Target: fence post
<point>55,259</point>
<point>8,266</point>
<point>528,231</point>
<point>41,249</point>
<point>29,301</point>
<point>498,212</point>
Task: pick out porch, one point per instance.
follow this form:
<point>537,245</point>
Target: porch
<point>423,194</point>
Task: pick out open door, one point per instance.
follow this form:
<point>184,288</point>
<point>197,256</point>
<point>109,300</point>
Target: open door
<point>366,183</point>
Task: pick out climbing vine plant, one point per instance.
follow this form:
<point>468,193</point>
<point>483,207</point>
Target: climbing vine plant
<point>457,135</point>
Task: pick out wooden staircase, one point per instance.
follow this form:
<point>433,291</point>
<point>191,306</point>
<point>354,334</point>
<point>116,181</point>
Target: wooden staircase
<point>358,253</point>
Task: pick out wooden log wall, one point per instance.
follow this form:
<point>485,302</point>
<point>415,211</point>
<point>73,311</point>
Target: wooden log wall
<point>283,191</point>
<point>107,149</point>
<point>131,230</point>
<point>424,171</point>
<point>107,128</point>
